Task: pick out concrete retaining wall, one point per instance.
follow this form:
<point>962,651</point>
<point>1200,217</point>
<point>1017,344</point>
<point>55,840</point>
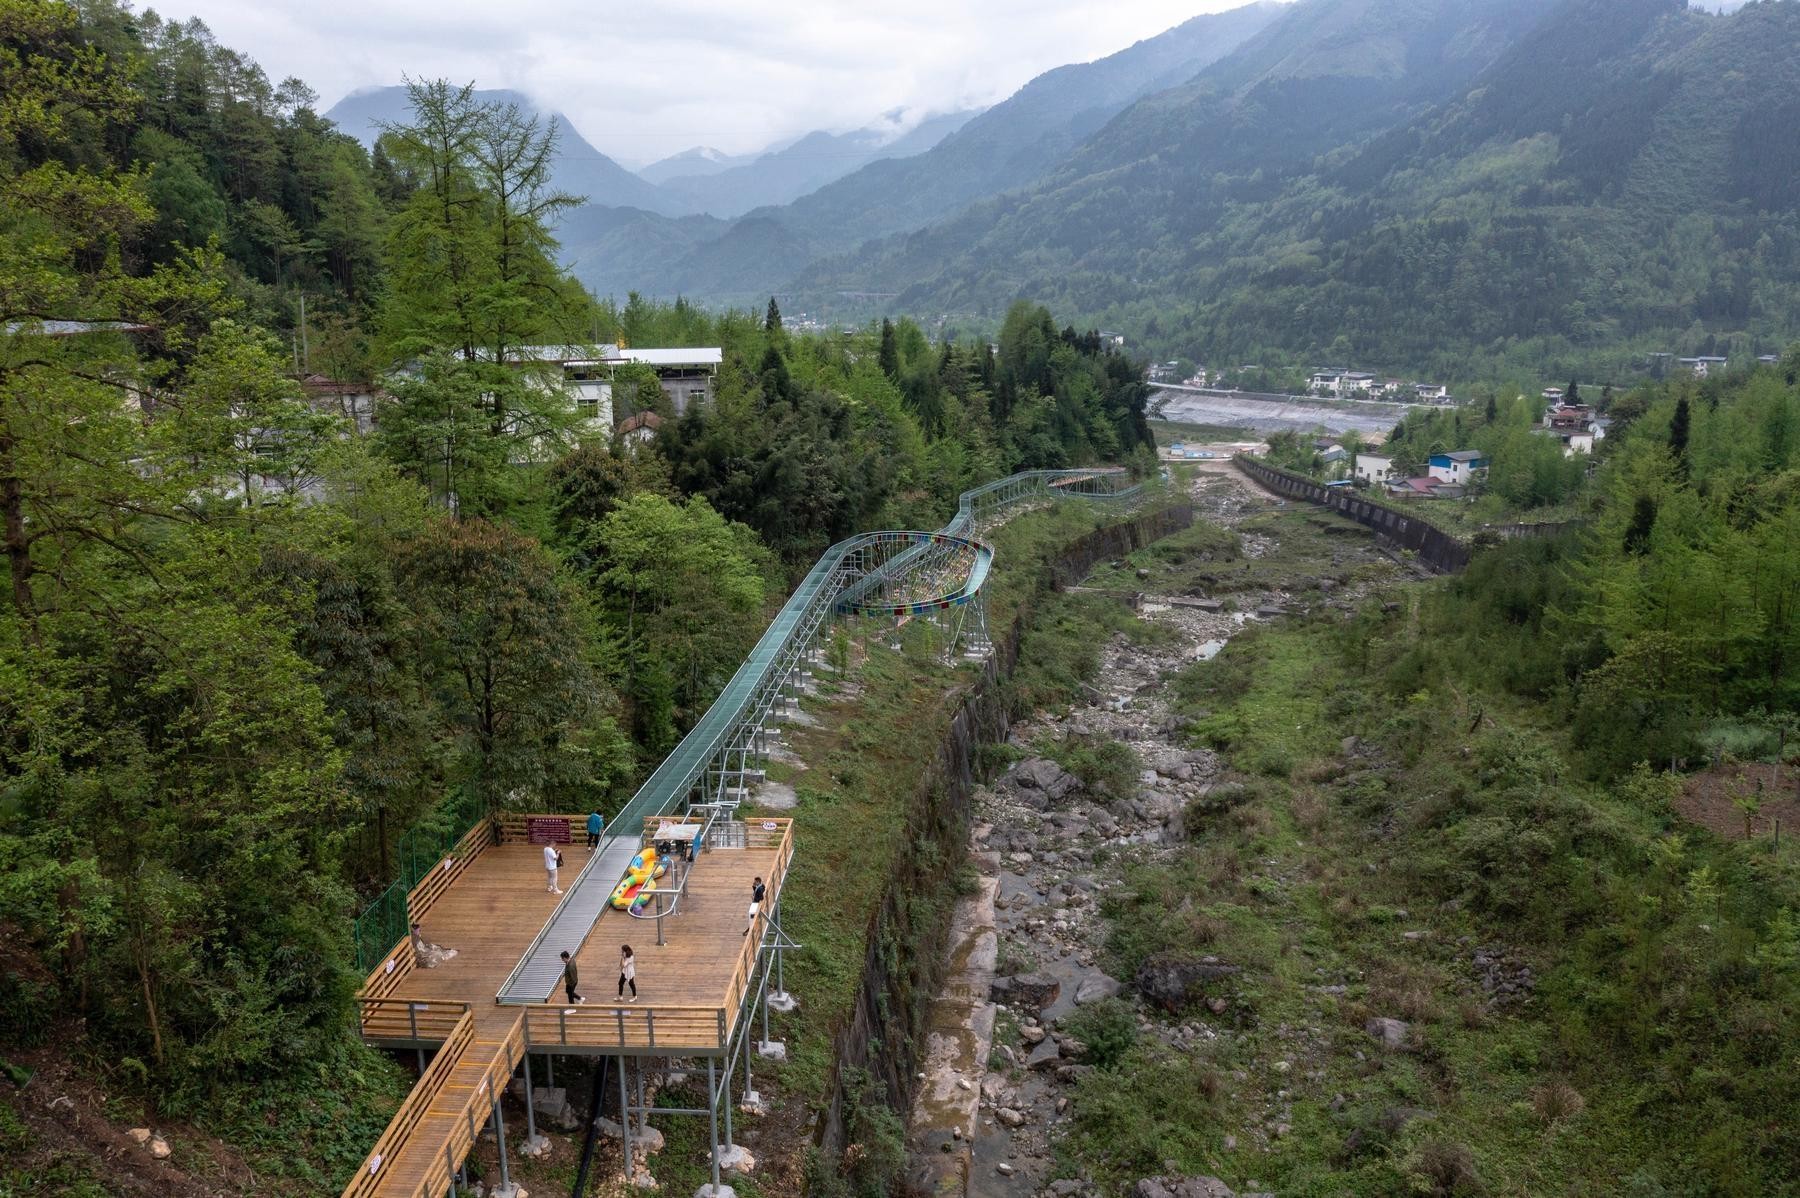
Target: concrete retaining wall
<point>1436,548</point>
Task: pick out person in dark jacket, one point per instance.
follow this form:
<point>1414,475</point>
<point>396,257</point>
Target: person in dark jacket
<point>570,978</point>
<point>757,893</point>
<point>595,825</point>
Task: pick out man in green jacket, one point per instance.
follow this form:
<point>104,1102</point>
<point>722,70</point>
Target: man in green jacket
<point>570,977</point>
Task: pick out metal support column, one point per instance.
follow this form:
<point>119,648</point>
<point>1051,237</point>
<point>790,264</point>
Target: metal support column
<point>625,1123</point>
<point>725,1096</point>
<point>643,1107</point>
<point>500,1139</point>
<point>712,1118</point>
<point>747,1084</point>
<point>530,1109</point>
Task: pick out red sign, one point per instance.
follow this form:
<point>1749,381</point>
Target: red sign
<point>547,829</point>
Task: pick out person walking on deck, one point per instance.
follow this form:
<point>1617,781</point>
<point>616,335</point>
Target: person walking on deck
<point>571,976</point>
<point>627,971</point>
<point>595,824</point>
<point>552,859</point>
<point>757,893</point>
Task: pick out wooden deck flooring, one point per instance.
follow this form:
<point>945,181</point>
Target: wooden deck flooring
<point>690,993</point>
<point>705,935</point>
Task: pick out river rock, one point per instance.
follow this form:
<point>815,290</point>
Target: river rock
<point>1045,1056</point>
<point>1096,988</point>
<point>1391,1032</point>
<point>1171,980</point>
<point>1039,773</point>
<point>1181,1187</point>
<point>1009,1117</point>
<point>1036,990</point>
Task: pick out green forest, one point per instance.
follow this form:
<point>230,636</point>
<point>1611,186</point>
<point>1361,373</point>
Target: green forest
<point>247,643</point>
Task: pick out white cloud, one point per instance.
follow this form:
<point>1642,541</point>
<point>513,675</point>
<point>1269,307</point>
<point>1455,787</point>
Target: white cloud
<point>648,79</point>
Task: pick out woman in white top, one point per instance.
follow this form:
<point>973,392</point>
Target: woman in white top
<point>627,972</point>
<point>552,859</point>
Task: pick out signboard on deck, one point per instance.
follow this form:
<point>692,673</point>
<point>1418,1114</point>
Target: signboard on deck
<point>547,829</point>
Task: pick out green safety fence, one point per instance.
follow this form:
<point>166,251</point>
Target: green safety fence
<point>383,923</point>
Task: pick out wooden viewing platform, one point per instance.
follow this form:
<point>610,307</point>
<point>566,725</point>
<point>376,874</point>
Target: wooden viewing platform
<point>487,901</point>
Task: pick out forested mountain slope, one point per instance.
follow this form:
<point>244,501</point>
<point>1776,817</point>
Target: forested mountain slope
<point>1605,178</point>
<point>1005,147</point>
<point>1130,203</point>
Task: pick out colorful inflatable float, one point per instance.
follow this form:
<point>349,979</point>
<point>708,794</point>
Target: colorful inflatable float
<point>634,890</point>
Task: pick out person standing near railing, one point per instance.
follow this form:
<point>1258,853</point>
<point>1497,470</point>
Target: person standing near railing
<point>757,893</point>
<point>594,826</point>
<point>627,971</point>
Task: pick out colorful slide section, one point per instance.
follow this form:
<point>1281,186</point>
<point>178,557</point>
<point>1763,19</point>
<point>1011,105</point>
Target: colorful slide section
<point>634,890</point>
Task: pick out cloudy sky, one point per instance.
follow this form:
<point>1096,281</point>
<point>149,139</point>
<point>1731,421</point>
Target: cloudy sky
<point>648,79</point>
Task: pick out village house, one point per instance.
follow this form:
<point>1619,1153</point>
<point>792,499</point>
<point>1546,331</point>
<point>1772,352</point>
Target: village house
<point>686,375</point>
<point>1326,382</point>
<point>1459,468</point>
<point>1703,367</point>
<point>1554,395</point>
<point>1575,425</point>
<point>1423,488</point>
<point>1372,468</point>
<point>355,402</point>
<point>1431,392</point>
<point>1329,451</point>
<point>639,430</point>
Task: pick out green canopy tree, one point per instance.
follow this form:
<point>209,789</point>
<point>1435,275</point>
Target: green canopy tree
<point>500,635</point>
<point>682,589</point>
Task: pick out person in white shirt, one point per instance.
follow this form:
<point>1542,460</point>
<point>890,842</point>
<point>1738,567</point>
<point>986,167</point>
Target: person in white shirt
<point>552,859</point>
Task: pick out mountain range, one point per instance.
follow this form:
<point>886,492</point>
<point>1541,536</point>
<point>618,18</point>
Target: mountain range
<point>1461,187</point>
<point>700,180</point>
<point>1007,146</point>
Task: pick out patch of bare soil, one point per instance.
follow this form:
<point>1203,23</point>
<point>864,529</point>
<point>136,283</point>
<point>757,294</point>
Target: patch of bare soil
<point>1710,799</point>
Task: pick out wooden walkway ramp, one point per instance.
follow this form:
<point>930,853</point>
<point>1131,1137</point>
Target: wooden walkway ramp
<point>488,902</point>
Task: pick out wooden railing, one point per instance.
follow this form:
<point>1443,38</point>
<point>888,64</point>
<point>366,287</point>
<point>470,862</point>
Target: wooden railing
<point>456,1092</point>
<point>408,1020</point>
<point>455,862</point>
<point>633,1028</point>
<point>759,834</point>
<point>368,1177</point>
<point>386,977</point>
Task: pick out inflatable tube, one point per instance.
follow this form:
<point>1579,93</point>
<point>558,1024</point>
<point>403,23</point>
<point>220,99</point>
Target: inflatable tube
<point>634,889</point>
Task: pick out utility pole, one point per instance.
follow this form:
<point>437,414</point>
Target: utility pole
<point>305,353</point>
